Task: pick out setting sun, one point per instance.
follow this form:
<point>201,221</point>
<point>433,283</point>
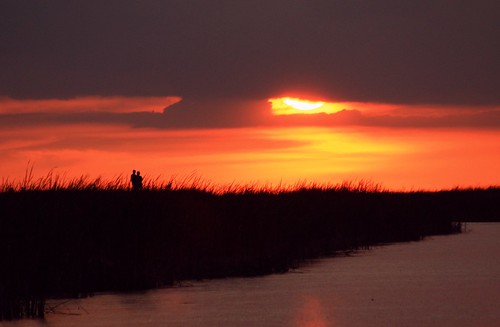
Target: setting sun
<point>293,106</point>
<point>303,104</point>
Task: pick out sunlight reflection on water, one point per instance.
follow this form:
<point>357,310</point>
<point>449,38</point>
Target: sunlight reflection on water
<point>443,281</point>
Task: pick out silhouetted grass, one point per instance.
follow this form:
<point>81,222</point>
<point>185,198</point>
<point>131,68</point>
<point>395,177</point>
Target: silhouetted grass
<point>71,238</point>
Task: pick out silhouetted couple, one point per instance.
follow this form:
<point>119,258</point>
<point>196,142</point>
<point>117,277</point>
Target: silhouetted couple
<point>136,180</point>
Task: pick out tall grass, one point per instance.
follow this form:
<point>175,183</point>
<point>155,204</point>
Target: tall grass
<point>72,237</point>
<point>53,182</point>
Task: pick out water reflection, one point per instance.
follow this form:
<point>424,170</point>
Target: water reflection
<point>443,281</point>
<point>311,314</point>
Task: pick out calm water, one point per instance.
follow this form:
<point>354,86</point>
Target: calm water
<point>442,281</point>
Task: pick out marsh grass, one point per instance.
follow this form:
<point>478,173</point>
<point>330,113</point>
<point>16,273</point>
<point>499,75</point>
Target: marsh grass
<point>63,237</point>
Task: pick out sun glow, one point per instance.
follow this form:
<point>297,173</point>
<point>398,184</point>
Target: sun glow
<point>293,106</point>
<point>303,104</point>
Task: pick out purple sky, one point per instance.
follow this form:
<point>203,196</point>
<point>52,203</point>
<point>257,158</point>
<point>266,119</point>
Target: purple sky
<point>392,51</point>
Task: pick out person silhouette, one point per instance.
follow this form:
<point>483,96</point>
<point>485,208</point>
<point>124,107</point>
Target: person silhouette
<point>138,179</point>
<point>133,180</point>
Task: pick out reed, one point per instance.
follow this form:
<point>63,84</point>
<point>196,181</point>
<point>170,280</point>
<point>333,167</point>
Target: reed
<point>73,237</point>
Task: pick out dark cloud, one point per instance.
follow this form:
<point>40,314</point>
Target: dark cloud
<point>440,51</point>
<point>215,114</point>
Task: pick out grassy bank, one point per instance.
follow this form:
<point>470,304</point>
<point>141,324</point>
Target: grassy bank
<point>75,239</point>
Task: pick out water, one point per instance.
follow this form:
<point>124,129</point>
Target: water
<point>442,281</point>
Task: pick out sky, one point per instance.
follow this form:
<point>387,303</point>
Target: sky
<point>409,90</point>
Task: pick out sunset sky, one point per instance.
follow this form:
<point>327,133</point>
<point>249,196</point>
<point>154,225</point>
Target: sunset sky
<point>401,93</point>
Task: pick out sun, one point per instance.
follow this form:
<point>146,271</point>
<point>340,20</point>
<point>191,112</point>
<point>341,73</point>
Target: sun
<point>303,104</point>
<point>294,106</point>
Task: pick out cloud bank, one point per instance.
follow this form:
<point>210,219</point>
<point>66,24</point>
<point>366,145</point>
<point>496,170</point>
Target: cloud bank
<point>167,114</point>
<point>87,104</point>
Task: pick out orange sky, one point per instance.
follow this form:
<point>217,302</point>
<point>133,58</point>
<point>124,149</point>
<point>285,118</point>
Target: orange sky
<point>404,158</point>
<point>402,93</point>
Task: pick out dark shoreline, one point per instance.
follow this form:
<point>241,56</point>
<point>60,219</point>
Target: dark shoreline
<point>74,242</point>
